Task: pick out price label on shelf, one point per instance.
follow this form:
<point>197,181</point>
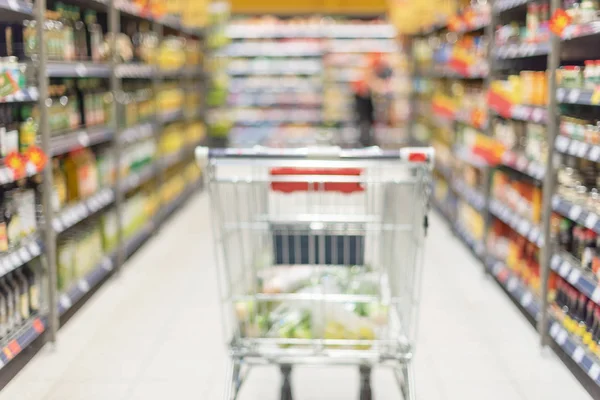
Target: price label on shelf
<point>83,286</point>
<point>594,372</point>
<point>526,299</point>
<point>562,143</point>
<point>591,221</point>
<point>65,302</point>
<point>555,262</point>
<point>34,249</point>
<point>537,115</point>
<point>560,94</point>
<point>596,295</point>
<point>574,276</point>
<point>573,96</point>
<point>561,337</point>
<point>583,149</point>
<point>13,5</point>
<point>81,70</point>
<point>107,264</point>
<point>573,147</point>
<point>512,284</point>
<point>575,212</point>
<point>554,330</point>
<point>594,153</point>
<point>578,355</point>
<point>24,254</point>
<point>565,268</point>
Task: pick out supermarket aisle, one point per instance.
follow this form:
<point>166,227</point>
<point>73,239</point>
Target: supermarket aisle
<point>154,333</point>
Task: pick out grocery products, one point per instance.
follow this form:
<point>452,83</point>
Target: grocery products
<point>79,250</point>
<point>19,299</point>
<point>520,255</point>
<point>535,29</point>
<point>522,196</point>
<point>524,138</point>
<point>308,319</point>
<point>578,182</point>
<point>579,314</point>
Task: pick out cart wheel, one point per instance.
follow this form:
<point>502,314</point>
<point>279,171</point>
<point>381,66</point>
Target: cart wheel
<point>286,385</point>
<point>365,383</point>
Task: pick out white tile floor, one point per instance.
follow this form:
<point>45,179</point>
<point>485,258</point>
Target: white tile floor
<point>153,333</point>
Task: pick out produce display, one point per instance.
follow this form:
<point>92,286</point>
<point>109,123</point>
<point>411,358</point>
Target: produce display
<point>310,319</point>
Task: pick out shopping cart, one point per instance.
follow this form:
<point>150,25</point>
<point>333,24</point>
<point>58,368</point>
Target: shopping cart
<point>319,257</point>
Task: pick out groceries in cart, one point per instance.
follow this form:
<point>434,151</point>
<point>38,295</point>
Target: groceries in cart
<point>303,316</point>
<point>320,254</point>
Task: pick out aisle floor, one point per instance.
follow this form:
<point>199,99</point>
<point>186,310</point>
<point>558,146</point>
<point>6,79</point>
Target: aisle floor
<point>154,333</point>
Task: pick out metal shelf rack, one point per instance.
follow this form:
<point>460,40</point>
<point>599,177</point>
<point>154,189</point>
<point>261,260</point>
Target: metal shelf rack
<point>572,45</point>
<point>115,134</point>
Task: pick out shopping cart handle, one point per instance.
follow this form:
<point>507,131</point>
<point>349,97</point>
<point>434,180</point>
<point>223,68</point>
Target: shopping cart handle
<point>410,154</point>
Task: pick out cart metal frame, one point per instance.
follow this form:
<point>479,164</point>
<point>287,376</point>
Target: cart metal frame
<point>315,219</point>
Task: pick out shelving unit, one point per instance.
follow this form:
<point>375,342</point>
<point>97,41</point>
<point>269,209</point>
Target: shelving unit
<point>310,66</point>
<point>524,195</point>
<point>168,179</point>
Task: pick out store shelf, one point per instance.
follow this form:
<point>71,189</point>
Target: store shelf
<point>263,31</point>
<point>29,249</point>
<point>536,114</point>
<point>79,289</point>
<point>475,245</point>
<point>21,339</point>
<point>22,96</point>
<point>184,72</point>
<point>522,50</point>
<point>338,31</point>
<point>514,286</point>
<point>133,71</point>
<point>587,97</point>
<point>275,71</point>
<point>522,225</point>
<point>580,30</point>
<point>570,269</point>
<point>577,148</point>
<point>576,213</point>
<point>75,213</point>
<point>81,138</point>
<point>137,133</point>
<point>576,350</point>
<point>520,163</point>
<point>135,179</point>
<point>137,239</point>
<point>474,197</point>
<point>8,176</point>
<point>77,70</point>
<point>506,5</point>
<point>352,31</point>
<point>11,10</point>
<point>272,49</point>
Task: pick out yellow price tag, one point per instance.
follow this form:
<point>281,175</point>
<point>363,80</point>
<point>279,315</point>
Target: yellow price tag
<point>587,338</point>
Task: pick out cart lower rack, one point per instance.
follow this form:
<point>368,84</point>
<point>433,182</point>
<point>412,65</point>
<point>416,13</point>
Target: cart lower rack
<point>319,256</point>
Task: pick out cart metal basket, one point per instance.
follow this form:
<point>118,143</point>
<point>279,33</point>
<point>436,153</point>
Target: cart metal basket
<point>319,256</point>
